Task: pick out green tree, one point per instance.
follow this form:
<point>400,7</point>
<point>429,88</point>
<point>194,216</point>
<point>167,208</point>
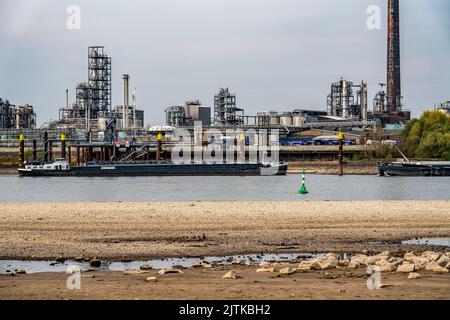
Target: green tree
<point>428,136</point>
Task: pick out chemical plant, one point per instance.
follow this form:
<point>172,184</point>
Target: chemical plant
<point>16,117</point>
<point>93,110</point>
<point>187,114</point>
<point>92,117</point>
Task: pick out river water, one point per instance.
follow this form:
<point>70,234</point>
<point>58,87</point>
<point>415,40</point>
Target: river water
<point>321,187</point>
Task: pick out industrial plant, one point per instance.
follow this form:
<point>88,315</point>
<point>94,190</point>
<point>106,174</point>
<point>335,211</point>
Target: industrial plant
<point>93,118</point>
<point>93,109</point>
<point>187,114</point>
<point>444,107</point>
<point>16,117</point>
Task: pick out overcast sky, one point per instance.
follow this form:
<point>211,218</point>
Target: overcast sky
<point>274,54</point>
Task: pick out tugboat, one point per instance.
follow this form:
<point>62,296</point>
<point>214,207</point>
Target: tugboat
<point>60,167</point>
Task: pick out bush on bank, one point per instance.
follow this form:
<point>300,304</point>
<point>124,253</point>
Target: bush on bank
<point>428,136</point>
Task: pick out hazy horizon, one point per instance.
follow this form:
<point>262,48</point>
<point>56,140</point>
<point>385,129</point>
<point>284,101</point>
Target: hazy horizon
<point>275,55</point>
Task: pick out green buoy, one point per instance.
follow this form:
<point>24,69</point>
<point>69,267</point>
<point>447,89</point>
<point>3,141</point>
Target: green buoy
<point>303,189</point>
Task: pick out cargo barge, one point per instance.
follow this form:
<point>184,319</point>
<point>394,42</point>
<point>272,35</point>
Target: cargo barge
<point>60,167</point>
<point>411,168</point>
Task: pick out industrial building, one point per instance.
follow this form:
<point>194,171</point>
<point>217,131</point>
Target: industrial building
<point>93,110</point>
<point>296,118</point>
<point>388,106</point>
<point>348,101</point>
<point>185,115</point>
<point>92,97</point>
<point>16,117</point>
<point>93,114</point>
<point>443,107</point>
<point>226,113</point>
<point>127,116</point>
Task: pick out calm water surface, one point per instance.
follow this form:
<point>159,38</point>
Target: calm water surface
<point>321,187</point>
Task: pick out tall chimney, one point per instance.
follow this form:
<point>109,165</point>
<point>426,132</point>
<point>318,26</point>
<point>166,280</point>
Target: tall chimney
<point>363,100</point>
<point>126,77</point>
<point>393,57</point>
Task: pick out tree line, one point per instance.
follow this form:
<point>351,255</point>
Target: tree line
<point>428,136</point>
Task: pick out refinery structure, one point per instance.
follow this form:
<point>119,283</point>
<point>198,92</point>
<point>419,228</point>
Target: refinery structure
<point>16,117</point>
<point>187,114</point>
<point>93,109</point>
<point>93,117</point>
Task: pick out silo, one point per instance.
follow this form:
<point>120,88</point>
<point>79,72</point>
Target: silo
<point>286,119</point>
<point>274,118</point>
<point>298,121</point>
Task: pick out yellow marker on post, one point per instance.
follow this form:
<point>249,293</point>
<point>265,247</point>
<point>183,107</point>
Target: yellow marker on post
<point>21,151</point>
<point>159,137</point>
<point>63,146</point>
<point>341,153</point>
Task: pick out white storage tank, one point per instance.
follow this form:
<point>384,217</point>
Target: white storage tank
<point>274,118</point>
<point>286,119</point>
<point>298,121</point>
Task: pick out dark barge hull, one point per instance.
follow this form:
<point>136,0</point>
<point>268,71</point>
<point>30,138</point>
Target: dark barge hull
<point>165,169</point>
<point>414,169</point>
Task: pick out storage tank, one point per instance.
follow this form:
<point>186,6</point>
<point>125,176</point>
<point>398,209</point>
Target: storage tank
<point>274,118</point>
<point>286,119</point>
<point>298,121</point>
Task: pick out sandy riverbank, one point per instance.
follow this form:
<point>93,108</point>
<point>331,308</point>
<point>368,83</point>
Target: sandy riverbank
<point>332,168</point>
<point>8,170</point>
<point>209,284</point>
<point>118,231</point>
<point>142,230</point>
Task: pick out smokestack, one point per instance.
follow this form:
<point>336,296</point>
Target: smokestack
<point>363,100</point>
<point>393,57</point>
<point>344,98</point>
<point>125,100</point>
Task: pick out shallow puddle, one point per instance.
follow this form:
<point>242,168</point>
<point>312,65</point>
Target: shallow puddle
<point>445,242</point>
<point>9,266</point>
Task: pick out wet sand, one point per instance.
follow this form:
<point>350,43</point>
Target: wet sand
<point>141,230</point>
<point>209,284</point>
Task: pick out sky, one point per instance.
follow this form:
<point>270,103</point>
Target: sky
<point>274,54</point>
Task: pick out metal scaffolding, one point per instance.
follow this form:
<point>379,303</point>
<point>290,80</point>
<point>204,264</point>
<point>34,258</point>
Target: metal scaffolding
<point>16,117</point>
<point>99,80</point>
<point>341,101</point>
<point>225,110</point>
<point>93,98</point>
<point>175,116</point>
<point>379,102</point>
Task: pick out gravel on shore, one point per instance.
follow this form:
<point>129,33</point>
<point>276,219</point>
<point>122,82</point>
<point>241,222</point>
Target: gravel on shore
<point>142,230</point>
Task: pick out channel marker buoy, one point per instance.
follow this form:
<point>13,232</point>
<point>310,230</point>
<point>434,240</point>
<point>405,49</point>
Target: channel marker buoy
<point>303,189</point>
